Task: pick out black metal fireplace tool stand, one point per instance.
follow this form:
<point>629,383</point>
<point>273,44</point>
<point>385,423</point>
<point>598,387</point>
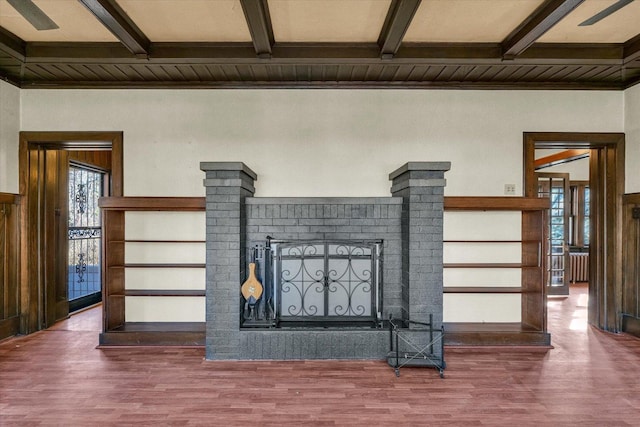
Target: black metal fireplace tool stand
<point>418,341</point>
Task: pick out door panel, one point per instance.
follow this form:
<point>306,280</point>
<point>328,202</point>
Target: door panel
<point>555,186</point>
<point>54,258</point>
<point>84,237</point>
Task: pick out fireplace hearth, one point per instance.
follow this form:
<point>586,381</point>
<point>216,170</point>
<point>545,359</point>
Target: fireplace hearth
<point>334,270</point>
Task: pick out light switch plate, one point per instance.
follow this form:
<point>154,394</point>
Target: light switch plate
<point>509,189</point>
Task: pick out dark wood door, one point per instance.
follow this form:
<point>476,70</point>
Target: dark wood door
<point>47,233</point>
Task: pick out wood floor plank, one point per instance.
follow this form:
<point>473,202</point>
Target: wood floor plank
<point>59,377</point>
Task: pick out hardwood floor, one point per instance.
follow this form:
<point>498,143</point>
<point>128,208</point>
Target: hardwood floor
<point>59,377</point>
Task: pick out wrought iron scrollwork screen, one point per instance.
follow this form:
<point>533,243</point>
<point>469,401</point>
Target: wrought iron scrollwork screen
<point>328,281</point>
<point>85,188</point>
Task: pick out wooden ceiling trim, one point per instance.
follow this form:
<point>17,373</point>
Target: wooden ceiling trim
<point>143,72</point>
<point>578,73</point>
<point>587,72</point>
<point>506,73</point>
<point>491,73</point>
<point>86,71</point>
<point>416,73</point>
<point>189,73</point>
<point>565,156</point>
<point>312,53</point>
<point>463,72</point>
<point>544,18</point>
<point>256,12</point>
<point>632,81</point>
<point>396,24</point>
<point>574,53</point>
<point>632,49</point>
<point>593,74</point>
<point>116,72</point>
<point>111,15</point>
<point>478,72</point>
<point>259,73</point>
<point>520,73</point>
<point>12,44</point>
<point>70,72</point>
<point>293,84</point>
<point>203,72</point>
<point>472,52</point>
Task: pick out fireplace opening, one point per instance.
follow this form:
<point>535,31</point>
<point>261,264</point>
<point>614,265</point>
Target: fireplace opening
<point>327,283</point>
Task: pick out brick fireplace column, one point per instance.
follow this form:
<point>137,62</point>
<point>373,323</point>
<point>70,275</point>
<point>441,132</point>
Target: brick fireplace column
<point>421,186</point>
<point>227,185</point>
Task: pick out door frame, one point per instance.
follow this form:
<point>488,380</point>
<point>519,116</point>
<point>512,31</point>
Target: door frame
<point>606,175</point>
<point>30,230</point>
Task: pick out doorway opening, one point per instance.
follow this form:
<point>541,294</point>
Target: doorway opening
<point>604,211</point>
<point>60,221</point>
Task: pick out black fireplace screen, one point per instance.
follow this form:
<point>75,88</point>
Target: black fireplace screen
<point>327,281</point>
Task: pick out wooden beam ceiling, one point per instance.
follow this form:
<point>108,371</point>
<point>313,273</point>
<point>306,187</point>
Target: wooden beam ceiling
<point>332,53</point>
<point>263,63</point>
<point>542,20</point>
<point>12,45</point>
<point>116,20</point>
<point>395,26</point>
<point>565,156</point>
<point>258,19</point>
<point>632,49</point>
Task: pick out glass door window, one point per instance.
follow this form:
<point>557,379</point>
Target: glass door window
<point>85,239</point>
<point>555,186</point>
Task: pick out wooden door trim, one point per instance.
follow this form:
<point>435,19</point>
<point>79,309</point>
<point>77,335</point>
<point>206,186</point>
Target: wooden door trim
<point>29,141</point>
<point>610,296</point>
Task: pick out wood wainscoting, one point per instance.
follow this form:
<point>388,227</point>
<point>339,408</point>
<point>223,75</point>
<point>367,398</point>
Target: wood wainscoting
<point>9,264</point>
<point>631,262</point>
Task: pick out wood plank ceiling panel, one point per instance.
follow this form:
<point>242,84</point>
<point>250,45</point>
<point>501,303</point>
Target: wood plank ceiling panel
<point>416,73</point>
<point>612,75</point>
<point>38,72</point>
<point>504,75</point>
<point>144,73</point>
<point>188,73</point>
<point>402,73</point>
<point>594,72</point>
<point>461,73</point>
<point>578,73</point>
<point>203,72</point>
<point>216,72</point>
<point>116,72</point>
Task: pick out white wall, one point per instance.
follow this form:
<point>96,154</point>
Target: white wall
<point>632,138</point>
<point>321,142</point>
<point>9,129</point>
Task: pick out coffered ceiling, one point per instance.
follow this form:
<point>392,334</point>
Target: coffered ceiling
<point>322,43</point>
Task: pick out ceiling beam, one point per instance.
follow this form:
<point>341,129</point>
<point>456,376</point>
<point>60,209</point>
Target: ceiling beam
<point>116,20</point>
<point>560,158</point>
<point>256,12</point>
<point>324,53</point>
<point>539,22</point>
<point>12,44</point>
<point>632,49</point>
<point>395,26</point>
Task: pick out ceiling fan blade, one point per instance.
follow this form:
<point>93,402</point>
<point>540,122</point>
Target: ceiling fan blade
<point>33,14</point>
<point>605,12</point>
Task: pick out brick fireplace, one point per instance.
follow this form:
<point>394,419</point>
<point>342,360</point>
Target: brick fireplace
<point>390,247</point>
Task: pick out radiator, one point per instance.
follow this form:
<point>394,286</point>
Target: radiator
<point>579,263</point>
